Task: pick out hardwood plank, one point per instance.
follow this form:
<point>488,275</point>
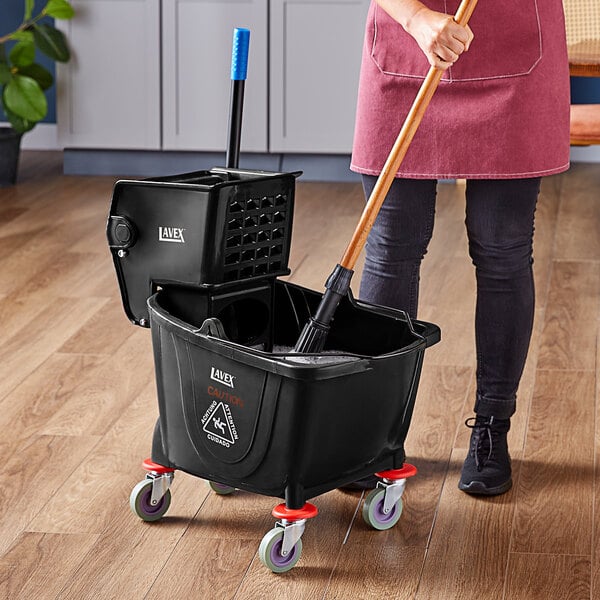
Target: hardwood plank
<point>543,576</point>
<point>375,571</point>
<point>16,312</point>
<point>31,404</point>
<point>569,335</point>
<point>38,198</point>
<point>33,253</point>
<point>105,285</point>
<point>201,567</point>
<point>457,346</point>
<point>70,275</point>
<point>98,399</point>
<point>130,554</point>
<point>103,333</point>
<point>325,238</point>
<point>8,213</point>
<point>546,214</point>
<point>470,542</point>
<point>38,565</point>
<point>555,488</point>
<point>544,237</point>
<point>438,408</point>
<point>447,274</point>
<point>577,236</point>
<point>84,504</point>
<point>31,345</point>
<point>595,583</point>
<point>31,475</point>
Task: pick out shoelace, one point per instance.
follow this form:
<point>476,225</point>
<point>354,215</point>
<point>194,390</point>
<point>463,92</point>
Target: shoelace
<point>482,431</point>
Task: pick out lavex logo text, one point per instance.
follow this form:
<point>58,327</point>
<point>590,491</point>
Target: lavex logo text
<point>171,234</point>
<point>221,377</point>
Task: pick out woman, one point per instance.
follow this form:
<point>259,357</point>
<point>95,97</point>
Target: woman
<point>500,119</point>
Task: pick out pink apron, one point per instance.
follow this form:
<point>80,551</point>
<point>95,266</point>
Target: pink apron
<point>502,111</point>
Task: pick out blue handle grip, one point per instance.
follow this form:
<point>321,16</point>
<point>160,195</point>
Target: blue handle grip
<point>239,53</point>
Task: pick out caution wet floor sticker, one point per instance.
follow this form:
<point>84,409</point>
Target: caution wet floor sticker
<point>218,424</point>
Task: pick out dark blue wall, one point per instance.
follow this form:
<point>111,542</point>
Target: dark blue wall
<point>11,15</point>
<point>585,90</point>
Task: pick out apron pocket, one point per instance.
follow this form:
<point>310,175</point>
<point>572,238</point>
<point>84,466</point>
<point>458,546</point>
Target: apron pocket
<point>506,44</point>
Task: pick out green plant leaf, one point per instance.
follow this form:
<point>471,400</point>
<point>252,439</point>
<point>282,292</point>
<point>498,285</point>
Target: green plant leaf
<point>17,123</point>
<point>39,73</point>
<point>5,74</point>
<point>59,9</point>
<point>22,54</point>
<point>51,42</point>
<point>24,97</point>
<point>28,9</point>
<point>22,36</point>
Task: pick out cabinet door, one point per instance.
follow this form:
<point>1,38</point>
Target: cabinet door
<point>109,93</point>
<point>316,50</point>
<point>197,40</point>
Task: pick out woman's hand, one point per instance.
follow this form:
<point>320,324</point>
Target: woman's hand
<point>441,39</point>
<point>439,36</point>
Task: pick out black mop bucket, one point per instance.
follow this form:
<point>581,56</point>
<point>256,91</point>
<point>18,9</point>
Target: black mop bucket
<point>278,423</point>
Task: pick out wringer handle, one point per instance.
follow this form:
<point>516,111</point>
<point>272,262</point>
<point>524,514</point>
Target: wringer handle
<point>396,156</point>
<point>239,69</point>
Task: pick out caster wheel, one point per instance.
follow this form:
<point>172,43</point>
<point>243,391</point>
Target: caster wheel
<point>139,502</point>
<point>373,511</point>
<point>269,552</point>
<point>220,488</point>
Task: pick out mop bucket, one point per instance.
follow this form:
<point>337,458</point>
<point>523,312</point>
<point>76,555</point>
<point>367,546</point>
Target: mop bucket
<point>277,423</point>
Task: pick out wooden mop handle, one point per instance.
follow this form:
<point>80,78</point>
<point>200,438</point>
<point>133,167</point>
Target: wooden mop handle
<point>396,156</point>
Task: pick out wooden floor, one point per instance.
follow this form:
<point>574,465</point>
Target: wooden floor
<point>78,405</point>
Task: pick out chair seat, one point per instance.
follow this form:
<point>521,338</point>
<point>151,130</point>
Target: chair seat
<point>584,58</point>
<point>585,124</point>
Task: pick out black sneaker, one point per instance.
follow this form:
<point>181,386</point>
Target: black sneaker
<point>486,470</point>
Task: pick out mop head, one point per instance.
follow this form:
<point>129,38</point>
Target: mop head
<point>327,357</point>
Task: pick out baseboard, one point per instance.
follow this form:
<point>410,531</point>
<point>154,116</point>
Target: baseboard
<point>135,163</point>
<point>589,154</point>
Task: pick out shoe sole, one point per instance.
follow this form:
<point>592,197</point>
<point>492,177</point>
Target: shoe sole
<point>477,488</point>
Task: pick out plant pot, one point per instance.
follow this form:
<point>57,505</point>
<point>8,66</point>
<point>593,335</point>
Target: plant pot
<point>10,145</point>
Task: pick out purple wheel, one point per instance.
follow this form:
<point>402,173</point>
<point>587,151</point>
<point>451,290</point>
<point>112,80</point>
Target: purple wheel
<point>373,512</point>
<point>221,488</point>
<point>141,505</point>
<point>270,552</point>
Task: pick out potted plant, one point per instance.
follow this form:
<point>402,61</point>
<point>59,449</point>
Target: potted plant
<point>23,81</point>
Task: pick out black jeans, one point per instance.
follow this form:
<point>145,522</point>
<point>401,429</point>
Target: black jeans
<point>500,223</point>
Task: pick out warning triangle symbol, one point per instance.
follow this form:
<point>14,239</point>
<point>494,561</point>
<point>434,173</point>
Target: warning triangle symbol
<point>217,424</point>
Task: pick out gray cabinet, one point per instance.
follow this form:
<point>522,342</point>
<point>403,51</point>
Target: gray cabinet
<point>108,95</point>
<point>197,38</point>
<point>315,63</point>
<point>154,74</point>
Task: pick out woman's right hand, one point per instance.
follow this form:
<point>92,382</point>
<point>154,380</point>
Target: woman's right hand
<point>440,37</point>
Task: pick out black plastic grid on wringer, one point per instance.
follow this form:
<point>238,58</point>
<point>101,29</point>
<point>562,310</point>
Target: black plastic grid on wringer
<point>256,232</point>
